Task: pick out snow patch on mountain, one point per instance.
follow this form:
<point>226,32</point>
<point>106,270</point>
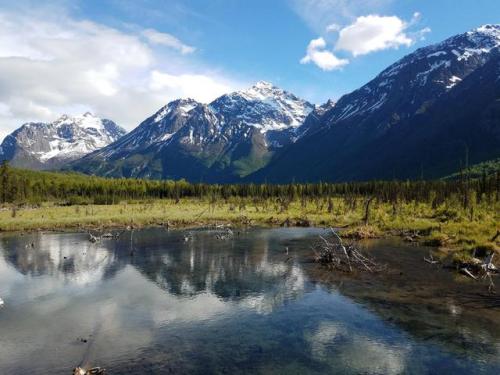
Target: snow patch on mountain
<point>453,81</point>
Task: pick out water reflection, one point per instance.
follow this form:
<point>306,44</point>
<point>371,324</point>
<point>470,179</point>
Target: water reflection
<point>359,353</point>
<point>150,302</point>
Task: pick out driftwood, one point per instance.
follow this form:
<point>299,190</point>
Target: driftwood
<point>482,270</point>
<point>96,238</point>
<point>109,235</point>
<point>92,371</point>
<point>488,268</point>
<point>465,271</point>
<point>93,238</point>
<point>431,259</point>
<point>224,234</point>
<point>333,253</point>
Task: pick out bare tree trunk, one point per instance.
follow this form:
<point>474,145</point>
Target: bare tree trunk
<point>367,210</point>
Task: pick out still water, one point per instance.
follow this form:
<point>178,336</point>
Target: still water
<point>153,303</point>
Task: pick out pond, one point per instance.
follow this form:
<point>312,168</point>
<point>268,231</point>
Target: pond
<point>151,302</point>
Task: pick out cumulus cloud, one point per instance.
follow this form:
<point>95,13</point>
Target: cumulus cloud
<point>51,65</point>
<point>187,85</point>
<point>318,14</point>
<point>373,33</point>
<point>156,37</point>
<point>323,58</point>
<point>365,35</point>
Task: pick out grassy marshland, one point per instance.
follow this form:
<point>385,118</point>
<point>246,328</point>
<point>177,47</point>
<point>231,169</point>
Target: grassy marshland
<point>461,214</point>
<point>448,226</point>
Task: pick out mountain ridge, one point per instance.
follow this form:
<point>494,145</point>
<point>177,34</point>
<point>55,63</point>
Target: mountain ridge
<point>355,128</point>
<point>224,140</point>
<point>413,119</point>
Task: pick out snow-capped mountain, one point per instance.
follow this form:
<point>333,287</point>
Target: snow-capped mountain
<point>232,136</point>
<point>414,82</point>
<point>263,106</point>
<point>408,103</point>
<point>413,119</point>
<point>40,145</point>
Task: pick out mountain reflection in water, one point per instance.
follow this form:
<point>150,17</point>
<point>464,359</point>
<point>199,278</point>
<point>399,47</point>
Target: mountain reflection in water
<point>205,306</point>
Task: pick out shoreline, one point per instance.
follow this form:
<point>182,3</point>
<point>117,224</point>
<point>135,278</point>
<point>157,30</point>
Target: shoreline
<point>449,231</point>
<point>449,259</point>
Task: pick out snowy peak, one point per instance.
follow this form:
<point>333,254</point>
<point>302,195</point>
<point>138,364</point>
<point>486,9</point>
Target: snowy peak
<point>262,113</point>
<point>157,129</point>
<point>408,86</point>
<point>262,90</point>
<point>46,145</point>
<point>85,121</point>
<point>486,36</point>
<point>263,106</point>
<point>177,107</point>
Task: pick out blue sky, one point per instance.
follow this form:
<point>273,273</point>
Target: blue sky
<point>123,59</point>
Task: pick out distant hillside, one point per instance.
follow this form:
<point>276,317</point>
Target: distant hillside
<point>486,168</point>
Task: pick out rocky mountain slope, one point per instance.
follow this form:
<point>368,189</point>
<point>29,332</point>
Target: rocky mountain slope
<point>419,117</point>
<point>52,145</point>
<point>225,140</point>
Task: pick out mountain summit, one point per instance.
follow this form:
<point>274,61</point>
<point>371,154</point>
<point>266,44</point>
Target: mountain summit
<point>40,145</point>
<point>224,140</point>
<point>264,106</point>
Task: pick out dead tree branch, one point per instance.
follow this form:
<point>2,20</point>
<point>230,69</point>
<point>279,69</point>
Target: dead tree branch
<point>347,258</point>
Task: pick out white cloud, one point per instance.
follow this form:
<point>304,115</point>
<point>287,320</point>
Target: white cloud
<point>365,35</point>
<point>318,14</point>
<point>319,55</point>
<point>200,87</point>
<point>55,64</point>
<point>373,33</point>
<point>333,27</point>
<point>156,37</point>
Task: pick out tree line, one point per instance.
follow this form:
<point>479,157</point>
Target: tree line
<point>21,186</point>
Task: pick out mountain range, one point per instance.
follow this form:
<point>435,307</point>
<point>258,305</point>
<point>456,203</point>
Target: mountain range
<point>38,145</point>
<point>421,117</point>
<point>222,141</point>
<point>424,116</point>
